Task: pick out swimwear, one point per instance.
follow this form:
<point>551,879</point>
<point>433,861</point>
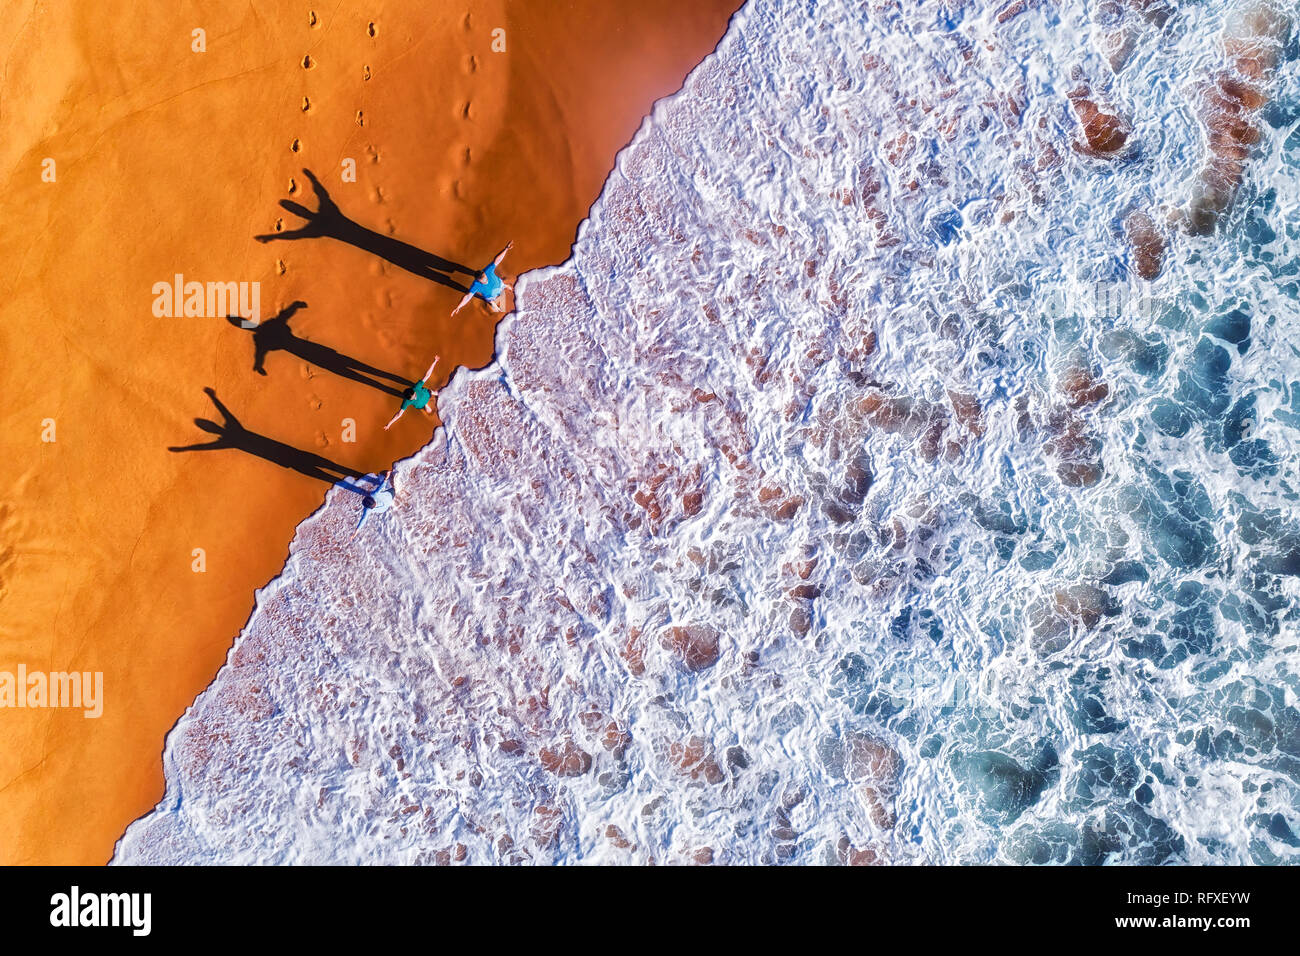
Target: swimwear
<point>418,397</point>
<point>491,286</point>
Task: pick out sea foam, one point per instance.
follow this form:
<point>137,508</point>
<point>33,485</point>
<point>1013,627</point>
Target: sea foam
<point>845,498</point>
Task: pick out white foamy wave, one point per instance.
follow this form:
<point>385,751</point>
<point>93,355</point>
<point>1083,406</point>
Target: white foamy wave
<point>792,522</point>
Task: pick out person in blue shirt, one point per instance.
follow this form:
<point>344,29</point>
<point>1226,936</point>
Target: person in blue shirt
<point>489,286</point>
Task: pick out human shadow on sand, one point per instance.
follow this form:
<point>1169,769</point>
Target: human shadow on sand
<point>328,221</point>
<point>232,434</point>
<point>274,335</point>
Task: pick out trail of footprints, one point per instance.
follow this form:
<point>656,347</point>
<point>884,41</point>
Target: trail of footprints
<point>383,298</point>
<point>309,63</point>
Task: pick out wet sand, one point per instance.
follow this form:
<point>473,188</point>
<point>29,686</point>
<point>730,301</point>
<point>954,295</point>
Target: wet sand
<point>167,161</point>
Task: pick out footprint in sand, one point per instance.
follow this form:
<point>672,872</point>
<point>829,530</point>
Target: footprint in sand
<point>293,186</point>
<point>306,104</point>
<point>373,154</point>
<point>471,64</point>
<point>280,267</point>
<point>308,62</point>
<point>365,72</point>
<point>279,225</point>
<point>377,267</point>
<point>322,440</point>
<point>312,19</point>
<point>464,110</point>
<point>377,195</point>
<point>383,298</point>
<point>295,146</point>
<point>371,29</point>
<point>361,120</point>
<point>450,187</point>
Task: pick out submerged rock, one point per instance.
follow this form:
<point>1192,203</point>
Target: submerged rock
<point>874,766</point>
<point>1104,133</point>
<point>1253,36</point>
<point>1146,245</point>
<point>567,760</point>
<point>696,645</point>
<point>1005,789</point>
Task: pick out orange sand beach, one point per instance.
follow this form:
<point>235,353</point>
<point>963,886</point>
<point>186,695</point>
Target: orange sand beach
<point>135,149</point>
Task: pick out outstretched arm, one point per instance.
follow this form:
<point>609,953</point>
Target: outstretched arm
<point>502,254</point>
<point>463,302</point>
<point>317,222</point>
<point>394,419</point>
<point>225,412</point>
<point>425,376</point>
<point>203,446</point>
<point>350,483</point>
<point>259,346</point>
<point>313,227</point>
<point>322,195</point>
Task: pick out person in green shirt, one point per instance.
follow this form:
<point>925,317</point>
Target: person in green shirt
<point>418,396</point>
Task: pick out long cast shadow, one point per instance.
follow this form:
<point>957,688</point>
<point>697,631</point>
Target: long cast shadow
<point>328,221</point>
<point>274,335</point>
<point>232,434</point>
